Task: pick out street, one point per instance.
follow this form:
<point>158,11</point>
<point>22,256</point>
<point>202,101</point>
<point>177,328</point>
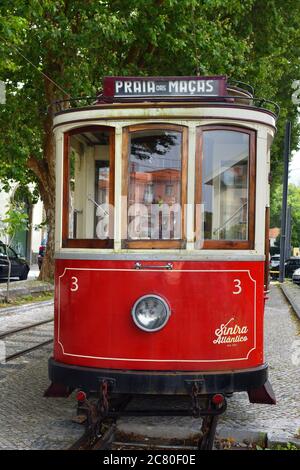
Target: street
<point>30,421</point>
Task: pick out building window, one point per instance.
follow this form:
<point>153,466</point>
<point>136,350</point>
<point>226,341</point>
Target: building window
<point>88,188</point>
<point>155,186</point>
<point>169,189</point>
<point>225,188</point>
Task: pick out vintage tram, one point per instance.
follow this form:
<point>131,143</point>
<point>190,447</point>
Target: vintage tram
<point>162,208</point>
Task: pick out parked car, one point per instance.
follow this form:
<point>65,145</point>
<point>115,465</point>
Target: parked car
<point>275,261</point>
<point>42,251</point>
<point>296,276</point>
<point>291,265</point>
<point>19,266</point>
<point>274,267</point>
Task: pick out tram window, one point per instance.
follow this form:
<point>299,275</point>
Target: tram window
<point>226,167</point>
<point>155,189</point>
<point>88,192</point>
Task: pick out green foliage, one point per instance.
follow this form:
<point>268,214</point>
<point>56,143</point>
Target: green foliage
<point>294,202</point>
<point>76,43</point>
<point>288,446</point>
<point>15,220</point>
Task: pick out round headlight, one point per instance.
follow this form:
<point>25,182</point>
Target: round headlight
<point>150,313</point>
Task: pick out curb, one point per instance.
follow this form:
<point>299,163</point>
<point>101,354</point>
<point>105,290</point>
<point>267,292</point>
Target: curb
<point>274,440</point>
<point>31,306</point>
<point>291,300</point>
<point>188,430</point>
<point>263,439</point>
<point>259,438</point>
<point>24,288</point>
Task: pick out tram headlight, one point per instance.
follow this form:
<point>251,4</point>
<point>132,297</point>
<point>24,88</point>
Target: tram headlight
<point>150,313</point>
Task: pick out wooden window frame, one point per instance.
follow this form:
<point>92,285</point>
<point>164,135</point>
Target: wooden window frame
<point>228,244</point>
<point>155,244</point>
<point>87,242</point>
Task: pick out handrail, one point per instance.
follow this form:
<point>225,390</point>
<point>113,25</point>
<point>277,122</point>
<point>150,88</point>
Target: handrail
<point>237,83</point>
<point>257,101</point>
<point>168,266</point>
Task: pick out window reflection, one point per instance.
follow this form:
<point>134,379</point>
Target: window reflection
<point>225,185</point>
<point>154,194</point>
<point>89,185</point>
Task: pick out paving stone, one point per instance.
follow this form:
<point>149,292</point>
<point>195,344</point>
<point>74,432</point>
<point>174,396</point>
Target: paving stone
<point>17,317</point>
<point>164,428</point>
<point>28,420</point>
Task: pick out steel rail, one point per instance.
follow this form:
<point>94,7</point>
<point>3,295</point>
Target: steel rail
<point>28,350</point>
<point>85,442</point>
<point>150,446</point>
<point>24,328</point>
<point>88,441</point>
<point>106,438</point>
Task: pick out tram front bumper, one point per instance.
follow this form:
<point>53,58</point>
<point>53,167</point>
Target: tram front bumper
<point>254,381</point>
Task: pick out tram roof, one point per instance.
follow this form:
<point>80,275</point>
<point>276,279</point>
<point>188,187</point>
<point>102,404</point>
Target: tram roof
<point>170,91</point>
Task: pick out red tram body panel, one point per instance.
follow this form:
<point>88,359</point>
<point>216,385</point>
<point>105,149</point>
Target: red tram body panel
<point>216,322</point>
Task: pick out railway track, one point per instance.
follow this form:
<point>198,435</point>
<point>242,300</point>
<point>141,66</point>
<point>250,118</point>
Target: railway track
<point>110,439</point>
<point>105,434</point>
<point>31,334</point>
<point>102,442</point>
<point>24,328</point>
<point>15,355</point>
<point>101,435</point>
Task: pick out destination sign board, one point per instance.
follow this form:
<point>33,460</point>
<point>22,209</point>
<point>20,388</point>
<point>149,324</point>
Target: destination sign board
<point>168,87</point>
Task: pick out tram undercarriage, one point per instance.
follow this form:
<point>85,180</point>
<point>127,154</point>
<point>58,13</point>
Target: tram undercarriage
<point>106,394</point>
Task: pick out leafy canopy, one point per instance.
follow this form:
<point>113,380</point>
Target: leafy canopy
<point>76,43</point>
<point>294,203</point>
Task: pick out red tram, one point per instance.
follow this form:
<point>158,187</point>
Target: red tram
<point>162,240</point>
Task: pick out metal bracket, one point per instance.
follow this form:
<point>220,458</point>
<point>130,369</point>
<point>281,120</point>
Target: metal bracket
<point>195,387</point>
<point>110,382</point>
<point>191,384</point>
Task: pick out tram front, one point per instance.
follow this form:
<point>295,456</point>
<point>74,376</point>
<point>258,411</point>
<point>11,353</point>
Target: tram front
<point>161,239</point>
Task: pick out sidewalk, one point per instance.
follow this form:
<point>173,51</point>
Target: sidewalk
<point>34,272</point>
<point>25,288</point>
<point>292,293</point>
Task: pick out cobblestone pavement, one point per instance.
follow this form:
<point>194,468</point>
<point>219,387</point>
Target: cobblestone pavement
<point>282,350</point>
<point>30,421</point>
<point>32,337</point>
<point>16,317</point>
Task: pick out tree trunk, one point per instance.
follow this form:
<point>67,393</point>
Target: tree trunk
<point>44,169</point>
<point>47,269</point>
<point>8,279</point>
